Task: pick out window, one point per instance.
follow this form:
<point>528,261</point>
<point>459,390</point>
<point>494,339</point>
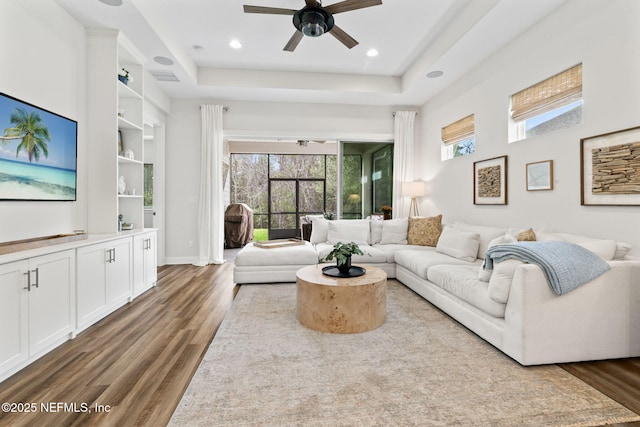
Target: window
<point>459,138</point>
<point>148,186</point>
<point>555,103</point>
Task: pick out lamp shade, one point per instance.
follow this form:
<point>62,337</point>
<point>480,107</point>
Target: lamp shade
<point>413,189</point>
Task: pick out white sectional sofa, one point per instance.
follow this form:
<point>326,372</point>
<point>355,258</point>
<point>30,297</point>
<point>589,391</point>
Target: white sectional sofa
<point>514,309</point>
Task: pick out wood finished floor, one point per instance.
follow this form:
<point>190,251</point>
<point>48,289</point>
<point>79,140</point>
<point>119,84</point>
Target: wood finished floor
<point>140,359</point>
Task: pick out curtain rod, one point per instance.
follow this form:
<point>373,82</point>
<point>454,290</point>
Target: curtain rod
<point>225,109</point>
<point>394,113</point>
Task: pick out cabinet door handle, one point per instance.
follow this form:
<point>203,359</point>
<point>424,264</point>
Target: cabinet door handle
<point>28,287</point>
<point>112,255</point>
<point>37,283</point>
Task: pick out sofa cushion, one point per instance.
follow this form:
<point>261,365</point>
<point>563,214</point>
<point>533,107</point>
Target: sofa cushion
<point>459,244</point>
<point>375,233</point>
<point>419,261</point>
<point>371,254</point>
<point>462,281</point>
<point>288,255</point>
<point>391,250</point>
<point>319,229</point>
<point>394,231</point>
<point>424,231</point>
<point>349,230</point>
<point>505,239</point>
<point>487,234</point>
<point>501,279</point>
<point>605,249</point>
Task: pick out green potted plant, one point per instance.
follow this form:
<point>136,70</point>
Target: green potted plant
<point>342,253</point>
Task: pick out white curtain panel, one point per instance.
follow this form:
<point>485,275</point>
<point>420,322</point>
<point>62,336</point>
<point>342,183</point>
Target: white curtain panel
<point>211,205</point>
<point>402,160</point>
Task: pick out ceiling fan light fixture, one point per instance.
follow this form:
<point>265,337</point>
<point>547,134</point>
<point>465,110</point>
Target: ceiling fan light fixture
<point>313,21</point>
<point>313,24</point>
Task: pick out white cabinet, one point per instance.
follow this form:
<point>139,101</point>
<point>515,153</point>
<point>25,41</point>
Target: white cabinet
<point>104,279</point>
<point>144,262</point>
<point>14,315</point>
<point>36,307</point>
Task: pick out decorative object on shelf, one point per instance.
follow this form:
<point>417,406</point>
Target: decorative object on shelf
<point>127,226</point>
<point>610,169</point>
<point>124,76</point>
<point>413,189</point>
<point>490,181</point>
<point>386,211</point>
<point>129,154</point>
<point>122,185</point>
<point>342,252</point>
<point>120,222</point>
<point>540,175</point>
<point>120,143</point>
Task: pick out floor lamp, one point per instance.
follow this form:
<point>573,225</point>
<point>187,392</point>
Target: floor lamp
<point>413,189</point>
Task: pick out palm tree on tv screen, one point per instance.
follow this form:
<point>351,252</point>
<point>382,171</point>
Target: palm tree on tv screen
<point>32,130</point>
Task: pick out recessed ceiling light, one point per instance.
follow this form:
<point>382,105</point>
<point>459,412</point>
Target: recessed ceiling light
<point>435,74</point>
<point>112,2</point>
<point>372,52</point>
<point>235,44</point>
<point>163,60</point>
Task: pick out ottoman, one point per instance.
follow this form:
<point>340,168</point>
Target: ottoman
<point>261,265</point>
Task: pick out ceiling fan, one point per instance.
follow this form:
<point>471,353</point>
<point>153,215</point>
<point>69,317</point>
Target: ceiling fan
<point>314,20</point>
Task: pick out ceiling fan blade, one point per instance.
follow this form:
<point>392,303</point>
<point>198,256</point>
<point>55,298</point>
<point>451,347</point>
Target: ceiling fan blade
<point>268,10</point>
<point>343,37</point>
<point>348,5</point>
<point>293,41</point>
<point>311,3</point>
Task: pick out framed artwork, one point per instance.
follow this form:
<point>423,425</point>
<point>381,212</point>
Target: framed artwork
<point>610,169</point>
<point>540,175</point>
<point>120,143</point>
<point>490,181</point>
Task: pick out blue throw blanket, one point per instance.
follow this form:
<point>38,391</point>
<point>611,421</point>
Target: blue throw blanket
<point>565,265</point>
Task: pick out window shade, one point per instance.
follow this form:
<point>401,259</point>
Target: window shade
<point>558,90</point>
<point>457,131</point>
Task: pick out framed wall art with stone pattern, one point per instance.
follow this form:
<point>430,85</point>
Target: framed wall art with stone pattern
<point>490,181</point>
<point>610,169</point>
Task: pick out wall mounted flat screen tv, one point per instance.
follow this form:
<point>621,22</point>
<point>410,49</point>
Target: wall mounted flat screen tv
<point>37,153</point>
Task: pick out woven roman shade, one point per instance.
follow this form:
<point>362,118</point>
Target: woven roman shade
<point>458,131</point>
<point>554,92</point>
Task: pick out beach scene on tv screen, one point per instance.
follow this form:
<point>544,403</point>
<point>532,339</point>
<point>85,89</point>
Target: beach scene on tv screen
<point>37,153</point>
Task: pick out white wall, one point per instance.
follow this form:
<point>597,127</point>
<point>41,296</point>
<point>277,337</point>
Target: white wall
<point>44,63</point>
<point>247,119</point>
<point>605,37</point>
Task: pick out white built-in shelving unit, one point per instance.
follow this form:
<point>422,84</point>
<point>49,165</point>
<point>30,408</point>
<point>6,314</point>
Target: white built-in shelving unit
<point>115,112</point>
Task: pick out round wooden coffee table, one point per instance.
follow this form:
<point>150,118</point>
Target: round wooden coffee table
<point>341,305</point>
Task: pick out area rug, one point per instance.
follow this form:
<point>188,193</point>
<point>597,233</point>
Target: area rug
<point>419,368</point>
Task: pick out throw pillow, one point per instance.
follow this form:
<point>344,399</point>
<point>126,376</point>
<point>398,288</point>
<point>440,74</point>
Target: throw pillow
<point>424,231</point>
<point>485,275</point>
<point>459,244</point>
<point>319,230</point>
<point>527,236</point>
<point>486,234</point>
<point>501,279</point>
<point>376,231</point>
<point>394,231</point>
<point>356,231</point>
